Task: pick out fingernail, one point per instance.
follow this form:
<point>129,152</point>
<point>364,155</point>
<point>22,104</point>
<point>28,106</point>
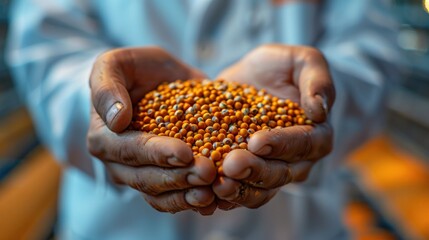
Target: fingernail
<point>113,112</point>
<point>265,150</point>
<point>191,198</point>
<point>174,161</point>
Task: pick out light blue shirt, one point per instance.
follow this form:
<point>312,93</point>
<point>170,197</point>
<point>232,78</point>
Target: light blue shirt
<point>53,44</point>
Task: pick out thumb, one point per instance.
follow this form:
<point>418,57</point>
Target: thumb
<point>109,95</point>
<point>316,87</point>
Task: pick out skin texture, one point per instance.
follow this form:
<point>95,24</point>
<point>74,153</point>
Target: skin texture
<point>163,169</point>
<point>279,156</point>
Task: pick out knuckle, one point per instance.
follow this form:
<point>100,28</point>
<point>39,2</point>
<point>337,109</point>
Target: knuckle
<point>307,143</point>
<point>258,177</point>
<point>178,203</point>
<point>277,138</point>
<point>110,55</point>
<point>157,207</point>
<point>264,198</point>
<point>174,180</point>
<point>143,139</point>
<point>283,178</point>
<point>94,145</point>
<point>100,60</point>
<point>166,181</point>
<point>292,175</point>
<point>315,55</point>
<point>262,176</point>
<point>273,137</point>
<point>257,198</point>
<point>225,205</point>
<point>149,152</point>
<point>125,153</point>
<point>144,151</point>
<point>135,152</point>
<point>262,50</point>
<point>314,52</point>
<point>154,203</point>
<point>301,177</point>
<point>105,58</point>
<point>140,185</point>
<point>148,189</point>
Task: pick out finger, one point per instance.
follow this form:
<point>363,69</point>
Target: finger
<point>294,143</point>
<point>233,73</point>
<point>155,181</point>
<point>225,205</point>
<point>288,72</point>
<point>315,83</point>
<point>136,148</point>
<point>242,194</point>
<point>174,202</point>
<point>300,171</point>
<point>209,210</point>
<point>123,76</point>
<point>255,171</point>
<point>109,94</point>
<point>262,173</point>
<point>153,65</point>
<point>160,73</point>
<point>147,67</point>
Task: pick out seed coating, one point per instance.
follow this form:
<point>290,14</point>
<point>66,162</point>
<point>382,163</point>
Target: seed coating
<point>213,117</point>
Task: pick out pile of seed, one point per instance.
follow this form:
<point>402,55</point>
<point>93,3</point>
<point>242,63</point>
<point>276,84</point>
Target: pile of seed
<point>213,117</point>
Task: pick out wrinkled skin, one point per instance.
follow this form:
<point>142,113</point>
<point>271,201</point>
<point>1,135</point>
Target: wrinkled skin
<point>279,156</point>
<point>163,168</point>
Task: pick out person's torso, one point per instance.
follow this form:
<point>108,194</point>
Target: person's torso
<point>209,35</point>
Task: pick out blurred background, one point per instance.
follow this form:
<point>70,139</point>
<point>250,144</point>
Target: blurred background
<point>388,176</point>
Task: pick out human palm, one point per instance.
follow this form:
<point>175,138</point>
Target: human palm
<point>279,156</point>
<point>163,168</point>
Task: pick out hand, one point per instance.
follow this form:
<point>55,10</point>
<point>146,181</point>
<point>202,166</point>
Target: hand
<point>162,168</point>
<point>279,156</point>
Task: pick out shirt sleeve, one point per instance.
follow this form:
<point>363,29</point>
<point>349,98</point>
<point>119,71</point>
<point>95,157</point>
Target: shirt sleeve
<point>51,47</point>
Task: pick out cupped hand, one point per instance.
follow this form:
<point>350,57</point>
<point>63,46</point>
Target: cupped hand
<point>279,156</point>
<point>162,168</point>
